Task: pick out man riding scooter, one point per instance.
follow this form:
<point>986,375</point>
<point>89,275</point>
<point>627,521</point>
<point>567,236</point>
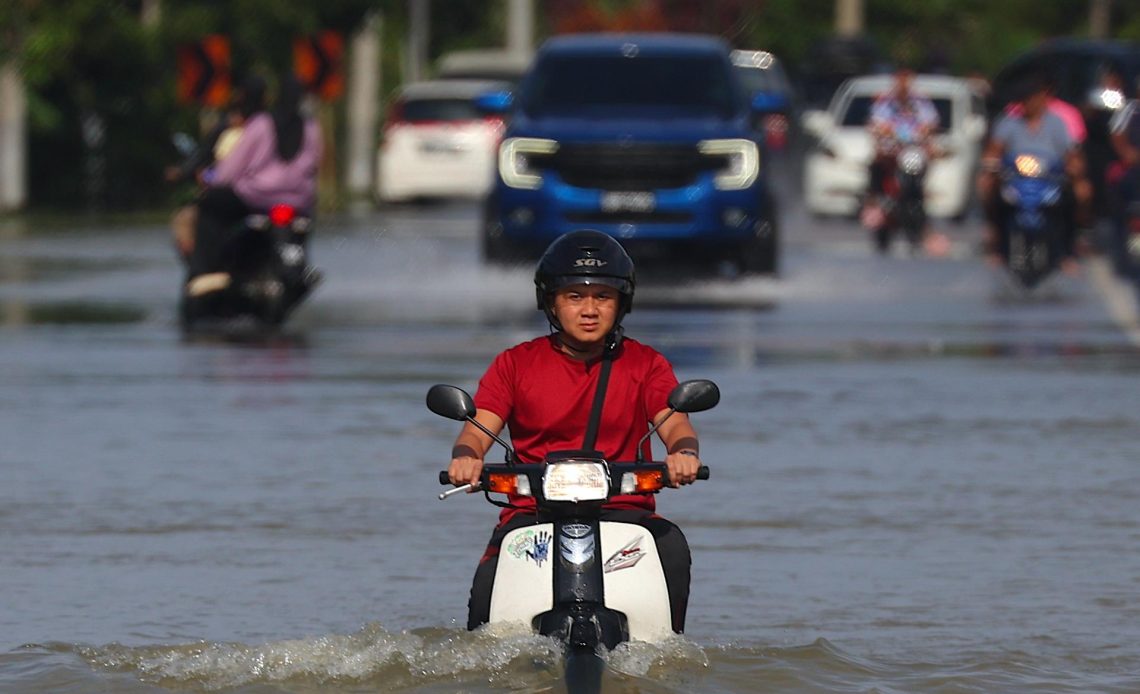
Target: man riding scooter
<point>899,118</point>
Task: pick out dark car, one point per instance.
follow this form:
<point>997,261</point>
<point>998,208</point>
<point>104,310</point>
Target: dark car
<point>1082,71</point>
<point>646,137</point>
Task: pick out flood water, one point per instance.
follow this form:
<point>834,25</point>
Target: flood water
<point>921,481</point>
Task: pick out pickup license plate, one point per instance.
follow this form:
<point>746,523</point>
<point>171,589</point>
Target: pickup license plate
<point>446,147</point>
<point>617,201</point>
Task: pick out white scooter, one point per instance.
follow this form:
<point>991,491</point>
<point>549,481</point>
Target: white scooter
<point>585,581</point>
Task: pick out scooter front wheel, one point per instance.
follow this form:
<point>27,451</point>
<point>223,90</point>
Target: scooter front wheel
<point>584,669</point>
<point>882,239</point>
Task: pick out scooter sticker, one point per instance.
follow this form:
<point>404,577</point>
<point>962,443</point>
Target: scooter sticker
<point>531,545</point>
<point>625,557</point>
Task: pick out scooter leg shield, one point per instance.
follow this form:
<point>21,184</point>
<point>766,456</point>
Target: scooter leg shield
<point>524,578</point>
<point>634,580</point>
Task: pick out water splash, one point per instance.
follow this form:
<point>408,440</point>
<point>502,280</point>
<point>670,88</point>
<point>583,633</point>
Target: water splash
<point>371,655</point>
<point>494,657</point>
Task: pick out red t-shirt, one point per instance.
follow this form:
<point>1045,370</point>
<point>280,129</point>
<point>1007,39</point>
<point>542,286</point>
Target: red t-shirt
<point>545,397</point>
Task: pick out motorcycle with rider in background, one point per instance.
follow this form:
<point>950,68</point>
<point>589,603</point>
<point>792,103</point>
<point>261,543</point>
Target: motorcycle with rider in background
<point>1033,185</point>
<point>901,123</point>
<point>249,258</point>
<point>1124,180</point>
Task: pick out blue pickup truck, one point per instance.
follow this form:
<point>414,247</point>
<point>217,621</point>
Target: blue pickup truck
<point>646,137</point>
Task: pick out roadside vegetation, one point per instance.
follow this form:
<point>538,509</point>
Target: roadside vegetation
<point>100,75</point>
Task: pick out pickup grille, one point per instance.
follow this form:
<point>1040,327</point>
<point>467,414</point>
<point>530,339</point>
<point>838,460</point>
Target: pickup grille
<point>634,167</point>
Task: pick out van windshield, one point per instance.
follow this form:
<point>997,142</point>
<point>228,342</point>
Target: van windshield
<point>696,85</point>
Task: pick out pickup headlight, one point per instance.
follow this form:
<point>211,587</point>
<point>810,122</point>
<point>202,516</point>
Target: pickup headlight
<point>742,162</point>
<point>515,160</point>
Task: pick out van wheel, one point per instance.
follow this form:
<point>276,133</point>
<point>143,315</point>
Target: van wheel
<point>495,251</point>
<point>491,239</point>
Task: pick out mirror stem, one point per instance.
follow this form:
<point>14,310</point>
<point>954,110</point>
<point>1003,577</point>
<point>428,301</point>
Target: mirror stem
<point>510,459</point>
<point>640,456</point>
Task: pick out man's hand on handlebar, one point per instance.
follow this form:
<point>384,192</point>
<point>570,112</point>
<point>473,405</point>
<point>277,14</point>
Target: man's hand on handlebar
<point>683,465</point>
<point>465,470</point>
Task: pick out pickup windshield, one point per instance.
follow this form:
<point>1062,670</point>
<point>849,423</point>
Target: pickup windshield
<point>691,85</point>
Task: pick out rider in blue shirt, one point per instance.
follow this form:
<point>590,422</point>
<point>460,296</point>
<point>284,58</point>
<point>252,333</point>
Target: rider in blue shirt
<point>1033,129</point>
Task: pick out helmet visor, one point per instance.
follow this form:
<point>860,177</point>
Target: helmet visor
<point>621,284</point>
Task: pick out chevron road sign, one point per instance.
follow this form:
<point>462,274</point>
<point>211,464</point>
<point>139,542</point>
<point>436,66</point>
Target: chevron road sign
<point>318,62</point>
<point>204,71</point>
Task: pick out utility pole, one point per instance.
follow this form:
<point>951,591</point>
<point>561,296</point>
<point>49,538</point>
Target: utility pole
<point>13,138</point>
<point>419,12</point>
<point>151,13</point>
<point>1100,17</point>
<point>849,17</point>
<point>362,105</point>
<point>520,26</point>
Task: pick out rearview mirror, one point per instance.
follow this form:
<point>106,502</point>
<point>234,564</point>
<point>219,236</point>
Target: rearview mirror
<point>975,127</point>
<point>495,102</point>
<point>764,103</point>
<point>816,122</point>
<point>694,396</point>
<point>451,402</point>
<point>184,143</point>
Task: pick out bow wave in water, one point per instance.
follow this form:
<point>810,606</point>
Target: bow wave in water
<point>372,659</point>
<point>438,660</point>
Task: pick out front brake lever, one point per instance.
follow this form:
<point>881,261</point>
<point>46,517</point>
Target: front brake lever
<point>464,488</point>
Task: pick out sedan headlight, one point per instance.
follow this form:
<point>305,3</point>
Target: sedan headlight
<point>742,162</point>
<point>516,164</point>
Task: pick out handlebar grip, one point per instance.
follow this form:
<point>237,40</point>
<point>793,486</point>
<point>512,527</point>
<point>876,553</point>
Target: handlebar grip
<point>444,478</point>
<point>703,472</point>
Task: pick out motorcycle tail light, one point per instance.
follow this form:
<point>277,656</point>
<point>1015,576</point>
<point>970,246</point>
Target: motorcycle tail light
<point>281,215</point>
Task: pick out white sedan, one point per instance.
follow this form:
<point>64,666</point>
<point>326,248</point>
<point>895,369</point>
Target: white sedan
<point>436,143</point>
<point>836,167</point>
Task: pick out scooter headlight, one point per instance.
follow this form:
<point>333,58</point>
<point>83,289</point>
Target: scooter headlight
<point>741,162</point>
<point>1029,166</point>
<point>517,157</point>
<point>912,160</point>
<point>575,481</point>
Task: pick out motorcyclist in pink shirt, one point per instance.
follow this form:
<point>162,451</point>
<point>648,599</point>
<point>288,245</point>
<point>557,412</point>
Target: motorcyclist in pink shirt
<point>274,162</point>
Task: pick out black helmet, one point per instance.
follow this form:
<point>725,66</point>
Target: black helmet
<point>584,256</point>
